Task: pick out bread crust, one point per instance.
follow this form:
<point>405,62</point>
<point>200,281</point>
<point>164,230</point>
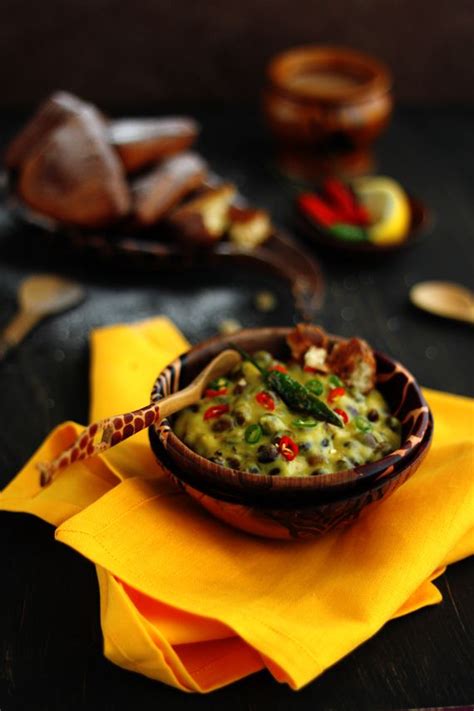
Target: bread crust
<point>354,362</point>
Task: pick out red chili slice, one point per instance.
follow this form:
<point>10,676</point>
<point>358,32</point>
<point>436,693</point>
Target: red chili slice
<point>342,414</point>
<point>215,393</point>
<point>279,368</point>
<point>288,448</point>
<point>215,411</point>
<point>335,394</point>
<point>265,400</point>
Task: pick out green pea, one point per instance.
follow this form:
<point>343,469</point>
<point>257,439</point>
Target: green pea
<point>362,423</point>
<point>305,422</point>
<point>253,434</point>
<point>335,381</point>
<point>315,386</point>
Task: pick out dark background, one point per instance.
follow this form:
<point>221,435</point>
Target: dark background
<point>137,54</point>
<point>207,58</point>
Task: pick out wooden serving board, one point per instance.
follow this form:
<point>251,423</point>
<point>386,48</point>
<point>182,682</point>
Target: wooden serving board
<point>132,249</point>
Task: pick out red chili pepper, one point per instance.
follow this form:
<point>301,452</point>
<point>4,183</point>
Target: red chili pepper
<point>345,202</point>
<point>362,216</point>
<point>315,208</point>
<point>215,393</point>
<point>309,369</point>
<point>279,368</point>
<point>342,414</point>
<point>265,400</point>
<point>288,448</point>
<point>342,199</point>
<point>335,394</point>
<point>215,411</point>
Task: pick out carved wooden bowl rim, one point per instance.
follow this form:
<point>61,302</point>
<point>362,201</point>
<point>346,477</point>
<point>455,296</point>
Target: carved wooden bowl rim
<point>271,500</point>
<point>228,479</point>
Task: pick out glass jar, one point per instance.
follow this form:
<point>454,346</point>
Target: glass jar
<point>325,106</point>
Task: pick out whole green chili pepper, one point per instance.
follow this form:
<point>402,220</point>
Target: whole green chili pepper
<point>293,394</point>
<point>350,233</point>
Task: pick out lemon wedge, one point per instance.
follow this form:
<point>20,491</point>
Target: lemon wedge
<point>388,207</point>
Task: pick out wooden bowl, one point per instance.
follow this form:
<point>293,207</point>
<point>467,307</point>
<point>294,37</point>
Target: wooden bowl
<point>420,223</point>
<point>279,507</point>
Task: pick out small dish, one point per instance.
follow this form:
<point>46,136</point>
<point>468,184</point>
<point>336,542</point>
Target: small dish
<point>283,507</point>
<point>420,223</point>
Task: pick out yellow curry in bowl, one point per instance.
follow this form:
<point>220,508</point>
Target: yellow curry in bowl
<point>244,423</point>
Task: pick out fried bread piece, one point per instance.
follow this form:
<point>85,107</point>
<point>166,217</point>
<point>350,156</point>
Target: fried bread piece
<point>160,190</point>
<point>204,219</point>
<point>354,362</point>
<point>140,142</point>
<point>75,176</point>
<point>53,112</point>
<point>249,227</point>
<point>303,337</point>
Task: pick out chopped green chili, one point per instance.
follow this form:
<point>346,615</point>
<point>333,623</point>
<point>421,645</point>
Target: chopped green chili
<point>253,434</point>
<point>218,384</point>
<point>315,386</point>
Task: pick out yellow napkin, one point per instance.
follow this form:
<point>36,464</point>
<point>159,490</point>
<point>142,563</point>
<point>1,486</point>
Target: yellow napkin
<point>196,604</point>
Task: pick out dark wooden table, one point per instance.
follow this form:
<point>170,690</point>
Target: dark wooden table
<point>50,640</point>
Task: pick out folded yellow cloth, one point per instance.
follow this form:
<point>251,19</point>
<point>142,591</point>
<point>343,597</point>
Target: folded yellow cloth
<point>196,604</point>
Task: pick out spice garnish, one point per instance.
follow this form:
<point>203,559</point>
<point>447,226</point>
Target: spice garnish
<point>253,434</point>
<point>215,411</point>
<point>210,392</point>
<point>335,394</point>
<point>315,386</point>
<point>342,414</point>
<point>279,368</point>
<point>288,448</point>
<point>218,383</point>
<point>265,400</point>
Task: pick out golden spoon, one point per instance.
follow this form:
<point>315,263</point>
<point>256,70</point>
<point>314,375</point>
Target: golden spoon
<point>40,295</point>
<point>444,298</point>
<point>104,434</point>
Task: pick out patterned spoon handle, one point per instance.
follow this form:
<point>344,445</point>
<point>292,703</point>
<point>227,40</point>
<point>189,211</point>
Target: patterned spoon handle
<point>102,435</point>
<point>90,442</point>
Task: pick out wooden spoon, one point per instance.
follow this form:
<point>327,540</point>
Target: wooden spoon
<point>444,298</point>
<point>104,434</point>
<point>40,295</point>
